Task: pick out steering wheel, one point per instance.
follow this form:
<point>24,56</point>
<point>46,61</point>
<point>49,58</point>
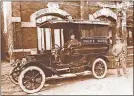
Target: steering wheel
<point>55,49</point>
<point>57,46</point>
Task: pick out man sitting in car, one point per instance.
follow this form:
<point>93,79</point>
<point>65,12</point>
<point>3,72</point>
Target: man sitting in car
<point>72,43</point>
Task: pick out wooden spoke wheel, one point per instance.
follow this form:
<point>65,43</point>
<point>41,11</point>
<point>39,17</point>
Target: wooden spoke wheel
<point>99,68</point>
<point>32,79</point>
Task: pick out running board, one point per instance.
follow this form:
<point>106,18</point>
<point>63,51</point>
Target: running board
<point>69,75</point>
<point>63,69</point>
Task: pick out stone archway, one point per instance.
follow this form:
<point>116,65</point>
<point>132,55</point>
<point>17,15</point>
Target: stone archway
<point>107,15</point>
<point>47,11</point>
<point>105,12</point>
<point>52,11</point>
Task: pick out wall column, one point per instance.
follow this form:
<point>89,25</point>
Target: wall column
<point>118,27</point>
<point>7,6</point>
<point>82,9</point>
<point>124,31</point>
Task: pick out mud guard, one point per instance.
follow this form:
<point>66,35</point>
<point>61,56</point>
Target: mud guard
<point>47,70</point>
<point>103,57</point>
<point>95,57</point>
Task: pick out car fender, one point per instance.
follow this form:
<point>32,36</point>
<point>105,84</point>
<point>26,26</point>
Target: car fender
<point>98,56</point>
<point>47,70</point>
<point>103,57</point>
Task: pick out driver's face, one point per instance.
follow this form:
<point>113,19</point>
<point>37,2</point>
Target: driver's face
<point>72,37</point>
<point>118,41</point>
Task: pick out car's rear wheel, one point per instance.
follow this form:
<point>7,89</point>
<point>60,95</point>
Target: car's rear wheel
<point>99,68</point>
<point>32,79</point>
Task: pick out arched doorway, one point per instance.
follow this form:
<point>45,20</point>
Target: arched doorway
<point>105,14</point>
<point>48,37</point>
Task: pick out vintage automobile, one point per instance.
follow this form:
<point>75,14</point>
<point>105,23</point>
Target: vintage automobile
<point>31,72</point>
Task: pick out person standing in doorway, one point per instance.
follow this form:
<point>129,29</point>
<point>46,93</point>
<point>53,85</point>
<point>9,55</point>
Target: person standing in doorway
<point>119,51</point>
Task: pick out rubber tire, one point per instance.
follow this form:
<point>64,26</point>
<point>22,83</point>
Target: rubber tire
<point>22,75</point>
<point>10,76</point>
<point>94,63</point>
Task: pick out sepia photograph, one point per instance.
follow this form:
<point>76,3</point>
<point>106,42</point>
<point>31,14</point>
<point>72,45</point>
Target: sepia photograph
<point>67,47</point>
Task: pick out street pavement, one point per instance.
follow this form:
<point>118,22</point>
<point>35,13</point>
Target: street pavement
<point>88,85</point>
<point>70,84</point>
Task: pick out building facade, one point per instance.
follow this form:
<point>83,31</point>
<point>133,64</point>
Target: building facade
<point>21,18</point>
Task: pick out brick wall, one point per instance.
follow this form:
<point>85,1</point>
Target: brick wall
<point>69,7</point>
<point>30,38</point>
<point>27,37</point>
<point>26,8</point>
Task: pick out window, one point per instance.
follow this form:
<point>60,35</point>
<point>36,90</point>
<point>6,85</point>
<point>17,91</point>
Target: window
<point>94,31</point>
<point>48,37</point>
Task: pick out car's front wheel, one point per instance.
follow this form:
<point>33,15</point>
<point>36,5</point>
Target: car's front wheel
<point>32,79</point>
<point>99,68</point>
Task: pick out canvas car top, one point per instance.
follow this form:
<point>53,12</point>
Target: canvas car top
<point>69,23</point>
